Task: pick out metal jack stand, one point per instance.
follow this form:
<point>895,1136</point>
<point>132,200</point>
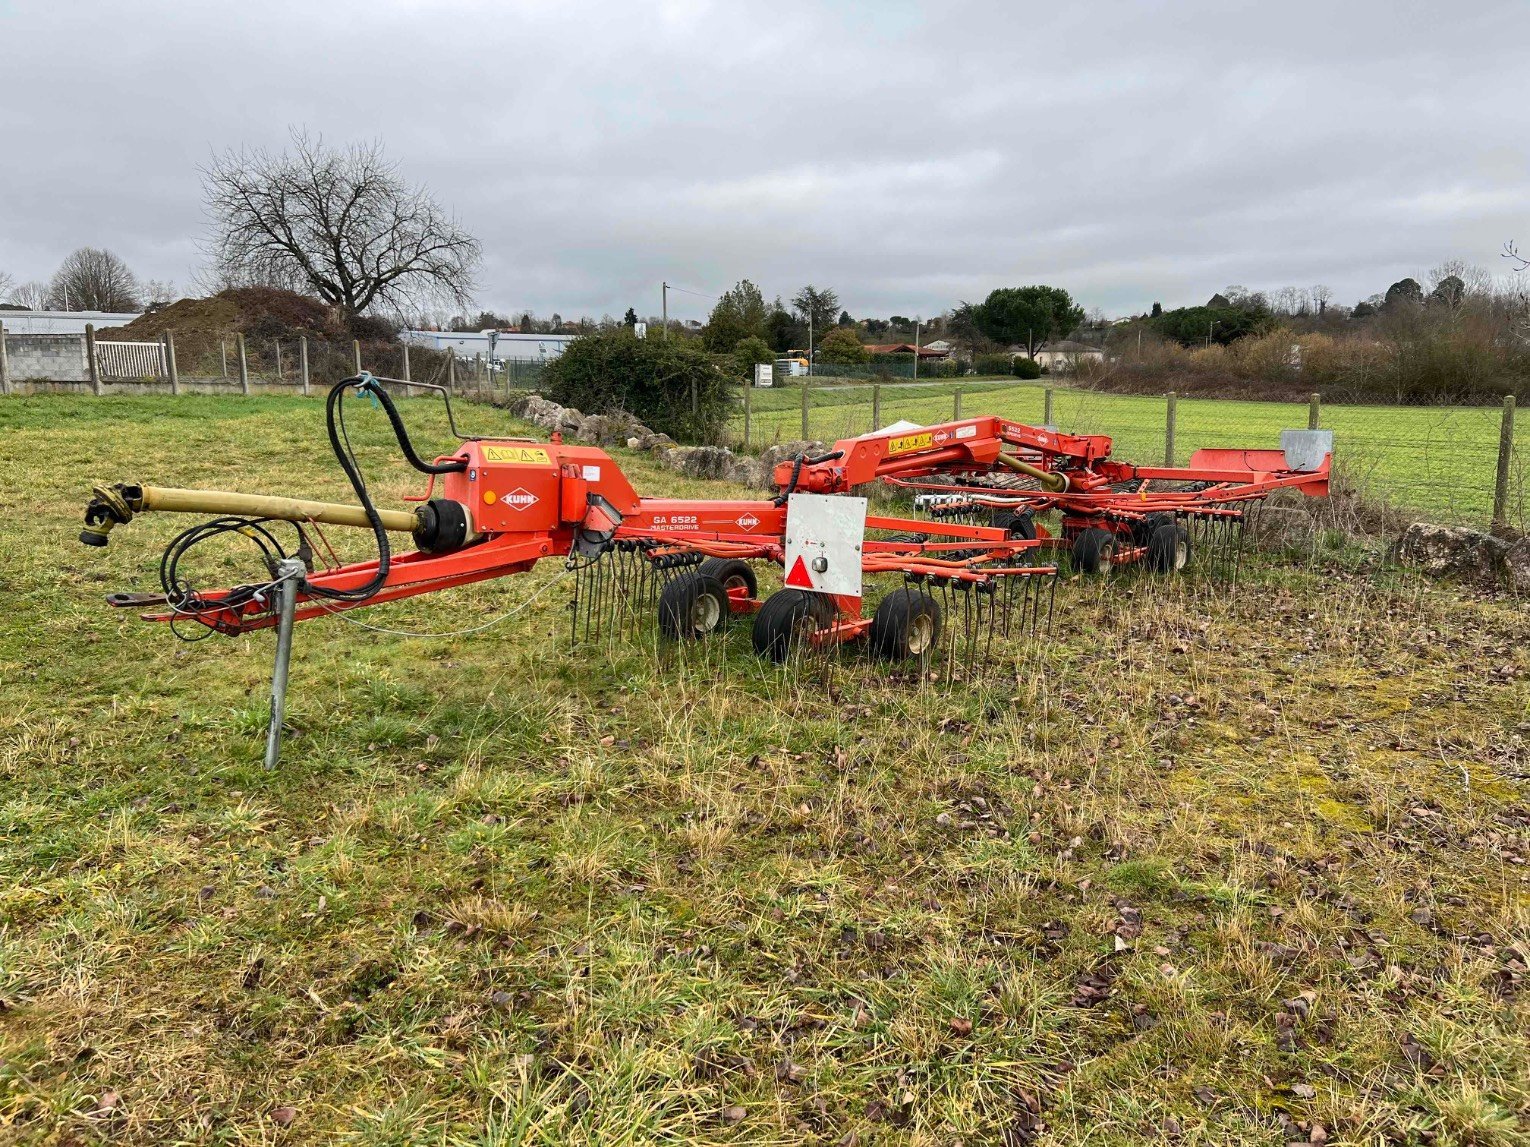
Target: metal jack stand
<point>289,572</point>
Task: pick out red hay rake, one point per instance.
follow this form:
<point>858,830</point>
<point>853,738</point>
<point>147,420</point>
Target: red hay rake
<point>976,555</point>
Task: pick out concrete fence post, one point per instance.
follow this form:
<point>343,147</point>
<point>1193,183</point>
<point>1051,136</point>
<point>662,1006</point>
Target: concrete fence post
<point>170,363</point>
<point>356,353</point>
<point>90,358</point>
<point>804,410</point>
<point>244,365</point>
<point>277,346</point>
<point>303,362</point>
<point>1313,411</point>
<point>223,350</point>
<point>1505,456</point>
<point>1168,429</point>
<point>5,365</point>
<point>748,402</point>
<point>407,376</point>
<point>1046,407</point>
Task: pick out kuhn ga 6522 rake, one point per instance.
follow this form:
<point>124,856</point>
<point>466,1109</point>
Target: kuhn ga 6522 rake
<point>503,504</point>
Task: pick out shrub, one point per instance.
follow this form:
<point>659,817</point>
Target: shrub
<point>610,372</point>
<point>841,346</point>
<point>1025,367</point>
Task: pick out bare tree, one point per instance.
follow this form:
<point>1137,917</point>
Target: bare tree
<point>1321,297</point>
<point>1511,252</point>
<point>158,293</point>
<point>92,279</point>
<point>6,283</point>
<point>32,295</point>
<point>339,222</point>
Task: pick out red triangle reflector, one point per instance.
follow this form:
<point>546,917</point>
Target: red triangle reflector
<point>799,575</point>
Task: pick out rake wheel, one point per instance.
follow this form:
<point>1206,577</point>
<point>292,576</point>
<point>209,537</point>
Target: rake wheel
<point>787,620</point>
<point>907,624</point>
<point>692,607</point>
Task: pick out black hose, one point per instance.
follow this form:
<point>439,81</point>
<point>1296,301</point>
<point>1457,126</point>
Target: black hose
<point>371,386</point>
<point>797,463</point>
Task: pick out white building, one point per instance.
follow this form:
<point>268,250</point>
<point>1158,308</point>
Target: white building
<point>507,347</point>
<point>60,322</point>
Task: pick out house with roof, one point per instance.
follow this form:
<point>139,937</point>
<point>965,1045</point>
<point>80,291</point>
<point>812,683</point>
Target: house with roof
<point>924,352</point>
<point>1065,354</point>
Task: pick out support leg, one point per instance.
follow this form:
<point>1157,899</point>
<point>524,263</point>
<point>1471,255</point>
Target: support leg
<point>290,571</point>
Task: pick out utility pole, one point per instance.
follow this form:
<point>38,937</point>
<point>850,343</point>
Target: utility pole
<point>664,329</point>
<point>916,348</point>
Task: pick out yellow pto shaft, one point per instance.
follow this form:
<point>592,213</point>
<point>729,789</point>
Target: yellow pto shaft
<point>116,505</point>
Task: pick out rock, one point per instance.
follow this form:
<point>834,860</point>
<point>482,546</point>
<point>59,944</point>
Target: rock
<point>606,429</point>
<point>700,461</point>
<point>1516,564</point>
<point>541,413</point>
<point>517,405</point>
<point>1283,526</point>
<point>569,420</point>
<point>650,442</point>
<point>1453,551</point>
<point>781,451</point>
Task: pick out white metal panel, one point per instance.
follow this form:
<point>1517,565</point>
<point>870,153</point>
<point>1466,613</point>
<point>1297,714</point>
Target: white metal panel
<point>825,534</point>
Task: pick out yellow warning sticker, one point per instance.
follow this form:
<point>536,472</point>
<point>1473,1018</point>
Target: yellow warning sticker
<point>908,442</point>
<point>516,455</point>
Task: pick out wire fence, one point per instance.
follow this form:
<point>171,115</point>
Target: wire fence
<point>1442,461</point>
<point>249,365</point>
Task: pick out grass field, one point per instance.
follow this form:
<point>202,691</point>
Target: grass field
<point>1208,868</point>
<point>1439,460</point>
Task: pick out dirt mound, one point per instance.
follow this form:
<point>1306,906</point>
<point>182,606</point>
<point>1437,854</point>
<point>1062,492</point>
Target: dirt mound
<point>261,314</point>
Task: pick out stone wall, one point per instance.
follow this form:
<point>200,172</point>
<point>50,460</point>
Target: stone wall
<point>55,358</point>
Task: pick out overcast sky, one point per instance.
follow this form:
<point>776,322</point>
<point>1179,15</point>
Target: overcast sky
<point>907,155</point>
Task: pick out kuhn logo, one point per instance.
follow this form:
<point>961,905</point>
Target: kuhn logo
<point>748,521</point>
<point>519,499</point>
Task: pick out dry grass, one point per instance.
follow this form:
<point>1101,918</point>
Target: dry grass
<point>1209,868</point>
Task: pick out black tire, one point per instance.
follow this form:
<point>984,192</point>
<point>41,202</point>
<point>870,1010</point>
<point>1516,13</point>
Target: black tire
<point>1017,525</point>
<point>692,606</point>
<point>1143,528</point>
<point>907,624</point>
<point>1094,551</point>
<point>732,572</point>
<point>786,619</point>
<point>1169,548</point>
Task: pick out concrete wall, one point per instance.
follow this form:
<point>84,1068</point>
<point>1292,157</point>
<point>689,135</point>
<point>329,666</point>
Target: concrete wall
<point>61,322</point>
<point>59,358</point>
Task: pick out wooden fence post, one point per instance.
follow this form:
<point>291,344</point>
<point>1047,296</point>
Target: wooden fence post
<point>1046,407</point>
<point>804,411</point>
<point>1312,412</point>
<point>170,364</point>
<point>876,406</point>
<point>244,365</point>
<point>303,362</point>
<point>1505,455</point>
<point>5,365</point>
<point>451,371</point>
<point>748,392</point>
<point>90,358</point>
<point>956,405</point>
<point>1168,429</point>
<point>356,353</point>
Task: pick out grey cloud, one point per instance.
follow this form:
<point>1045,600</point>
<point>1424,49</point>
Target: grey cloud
<point>908,155</point>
